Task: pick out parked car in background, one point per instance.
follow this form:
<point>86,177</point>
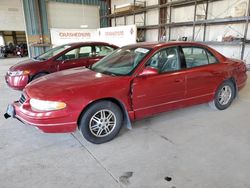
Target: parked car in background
<point>57,59</point>
<point>133,82</point>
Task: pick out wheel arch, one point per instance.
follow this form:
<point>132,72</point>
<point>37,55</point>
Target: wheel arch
<point>126,119</point>
<point>40,72</point>
<point>232,79</point>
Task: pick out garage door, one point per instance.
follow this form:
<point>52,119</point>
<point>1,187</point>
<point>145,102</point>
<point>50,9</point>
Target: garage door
<point>72,16</point>
<point>11,15</point>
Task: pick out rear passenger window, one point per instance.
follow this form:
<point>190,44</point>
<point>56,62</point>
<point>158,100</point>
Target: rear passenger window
<point>85,51</point>
<point>103,50</point>
<point>195,56</point>
<point>211,58</point>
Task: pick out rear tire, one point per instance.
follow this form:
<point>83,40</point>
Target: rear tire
<point>224,96</point>
<point>101,122</point>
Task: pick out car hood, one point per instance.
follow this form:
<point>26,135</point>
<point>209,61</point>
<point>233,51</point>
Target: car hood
<point>65,83</point>
<point>23,65</point>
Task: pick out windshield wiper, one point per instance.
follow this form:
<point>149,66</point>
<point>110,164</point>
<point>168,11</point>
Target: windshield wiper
<point>103,72</point>
<point>89,67</point>
<point>39,59</point>
<point>42,59</point>
<point>111,73</point>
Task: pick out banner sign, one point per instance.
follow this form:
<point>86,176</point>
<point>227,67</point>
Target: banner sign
<point>120,36</point>
<point>64,36</point>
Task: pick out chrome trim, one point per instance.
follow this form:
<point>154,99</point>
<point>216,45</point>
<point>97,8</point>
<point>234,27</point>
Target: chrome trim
<point>29,123</point>
<point>174,101</point>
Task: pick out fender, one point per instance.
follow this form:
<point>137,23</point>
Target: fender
<point>126,122</point>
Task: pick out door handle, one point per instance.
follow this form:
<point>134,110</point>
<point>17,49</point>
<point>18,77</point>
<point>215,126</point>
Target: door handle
<point>178,80</point>
<point>217,73</point>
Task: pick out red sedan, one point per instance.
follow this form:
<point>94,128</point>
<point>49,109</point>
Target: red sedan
<point>133,82</point>
<point>57,59</point>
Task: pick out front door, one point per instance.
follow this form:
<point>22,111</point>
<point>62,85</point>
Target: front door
<point>77,57</point>
<point>161,92</point>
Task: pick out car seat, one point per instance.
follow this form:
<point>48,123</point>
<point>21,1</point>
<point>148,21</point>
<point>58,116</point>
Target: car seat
<point>172,62</point>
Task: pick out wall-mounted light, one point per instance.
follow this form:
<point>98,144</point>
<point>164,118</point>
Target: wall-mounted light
<point>84,26</point>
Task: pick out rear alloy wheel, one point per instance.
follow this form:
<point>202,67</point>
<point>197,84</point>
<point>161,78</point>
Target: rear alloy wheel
<point>224,96</point>
<point>101,122</point>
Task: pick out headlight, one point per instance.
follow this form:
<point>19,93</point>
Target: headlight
<point>46,105</point>
<point>18,73</point>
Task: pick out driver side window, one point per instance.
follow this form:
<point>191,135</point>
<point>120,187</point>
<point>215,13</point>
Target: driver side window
<point>166,60</point>
<point>72,54</point>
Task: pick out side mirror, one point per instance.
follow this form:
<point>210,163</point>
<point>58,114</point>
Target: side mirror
<point>149,71</point>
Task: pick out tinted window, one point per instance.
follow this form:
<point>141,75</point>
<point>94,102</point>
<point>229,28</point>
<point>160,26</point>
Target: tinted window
<point>165,60</point>
<point>195,56</point>
<point>103,50</point>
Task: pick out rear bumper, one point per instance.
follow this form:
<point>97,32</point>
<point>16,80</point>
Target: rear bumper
<point>60,121</point>
<point>17,82</point>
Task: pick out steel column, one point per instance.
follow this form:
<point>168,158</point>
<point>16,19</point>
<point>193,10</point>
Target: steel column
<point>195,9</point>
<point>245,32</point>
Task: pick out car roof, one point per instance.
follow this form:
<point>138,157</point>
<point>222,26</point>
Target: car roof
<point>163,44</point>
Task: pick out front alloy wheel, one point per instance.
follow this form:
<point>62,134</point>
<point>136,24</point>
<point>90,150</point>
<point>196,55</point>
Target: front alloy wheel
<point>101,122</point>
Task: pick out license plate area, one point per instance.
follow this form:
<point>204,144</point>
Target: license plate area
<point>10,111</point>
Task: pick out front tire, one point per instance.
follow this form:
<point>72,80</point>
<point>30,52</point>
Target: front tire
<point>38,76</point>
<point>224,96</point>
<point>101,122</point>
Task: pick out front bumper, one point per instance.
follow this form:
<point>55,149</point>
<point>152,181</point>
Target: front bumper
<point>61,121</point>
<point>17,82</point>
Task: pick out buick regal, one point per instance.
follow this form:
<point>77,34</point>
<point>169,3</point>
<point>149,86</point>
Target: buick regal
<point>133,82</point>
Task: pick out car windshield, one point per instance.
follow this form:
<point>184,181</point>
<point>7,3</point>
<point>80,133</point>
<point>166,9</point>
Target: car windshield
<point>52,52</point>
<point>121,62</point>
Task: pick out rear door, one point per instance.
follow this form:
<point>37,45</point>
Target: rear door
<point>87,56</point>
<point>202,73</point>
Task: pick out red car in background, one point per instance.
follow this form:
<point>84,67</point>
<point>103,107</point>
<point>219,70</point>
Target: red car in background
<point>133,82</point>
<point>56,59</point>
